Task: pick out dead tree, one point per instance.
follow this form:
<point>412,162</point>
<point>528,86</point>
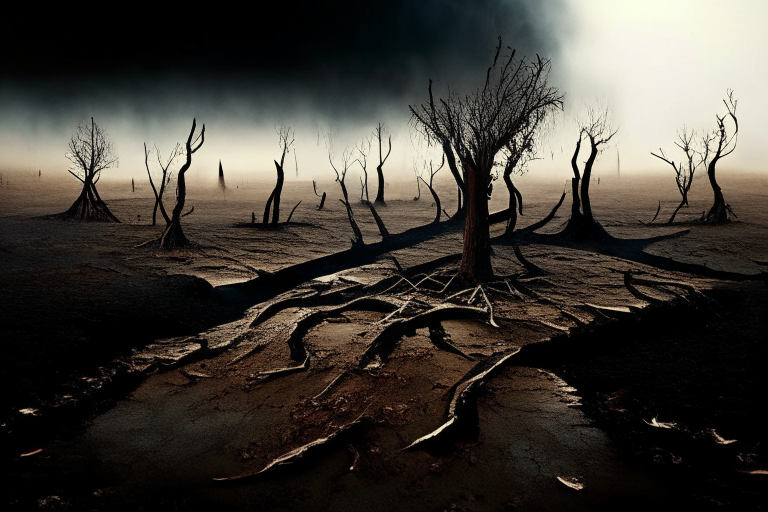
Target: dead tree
<point>362,151</point>
<point>597,130</point>
<point>173,236</point>
<point>518,152</point>
<point>165,179</point>
<point>380,168</point>
<point>222,184</point>
<point>684,171</point>
<point>346,163</point>
<point>432,171</point>
<point>286,141</point>
<point>725,144</point>
<point>91,152</point>
<point>476,128</point>
<point>322,198</point>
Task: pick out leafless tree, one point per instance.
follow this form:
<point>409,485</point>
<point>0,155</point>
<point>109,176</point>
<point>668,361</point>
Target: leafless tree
<point>173,236</point>
<point>517,154</point>
<point>684,171</point>
<point>165,179</point>
<point>91,151</point>
<point>346,163</point>
<point>596,128</point>
<point>378,133</point>
<point>429,168</point>
<point>476,128</point>
<point>363,149</point>
<point>286,136</point>
<point>722,144</point>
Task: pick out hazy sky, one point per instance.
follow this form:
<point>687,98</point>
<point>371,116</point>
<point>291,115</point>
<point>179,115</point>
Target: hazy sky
<point>347,66</point>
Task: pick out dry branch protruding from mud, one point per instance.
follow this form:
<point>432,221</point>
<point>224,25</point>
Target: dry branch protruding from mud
<point>297,454</point>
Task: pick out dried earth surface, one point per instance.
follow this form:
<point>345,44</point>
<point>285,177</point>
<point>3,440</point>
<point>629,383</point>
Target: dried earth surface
<point>138,379</point>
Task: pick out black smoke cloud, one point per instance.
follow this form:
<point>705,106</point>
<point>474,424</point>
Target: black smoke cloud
<point>349,59</point>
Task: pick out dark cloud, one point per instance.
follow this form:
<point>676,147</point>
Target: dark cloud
<point>345,58</point>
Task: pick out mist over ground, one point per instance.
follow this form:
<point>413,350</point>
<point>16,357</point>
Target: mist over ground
<point>345,67</point>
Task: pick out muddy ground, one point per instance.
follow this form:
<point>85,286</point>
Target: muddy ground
<point>133,379</point>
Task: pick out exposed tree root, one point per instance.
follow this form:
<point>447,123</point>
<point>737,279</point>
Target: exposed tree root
<point>463,406</point>
<point>329,387</point>
<point>383,340</point>
<point>532,269</point>
<point>299,453</point>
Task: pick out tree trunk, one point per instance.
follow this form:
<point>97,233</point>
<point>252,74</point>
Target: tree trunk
<point>277,192</point>
<point>718,214</point>
<point>436,198</point>
<point>476,257</point>
<point>89,207</point>
<point>380,192</point>
<point>515,203</point>
<point>265,219</point>
<point>586,206</point>
<point>576,205</point>
<point>682,203</point>
<point>451,159</point>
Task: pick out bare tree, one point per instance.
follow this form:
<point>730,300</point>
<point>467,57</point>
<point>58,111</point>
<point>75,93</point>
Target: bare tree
<point>724,144</point>
<point>597,129</point>
<point>91,151</point>
<point>476,128</point>
<point>346,163</point>
<point>165,179</point>
<point>286,141</point>
<point>684,171</point>
<point>173,236</point>
<point>363,149</point>
<point>517,153</point>
<point>382,159</point>
<point>432,172</point>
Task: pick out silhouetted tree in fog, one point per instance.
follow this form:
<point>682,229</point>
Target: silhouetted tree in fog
<point>173,236</point>
<point>723,145</point>
<point>91,152</point>
<point>380,167</point>
<point>597,130</point>
<point>165,179</point>
<point>476,128</point>
<point>286,141</point>
<point>684,171</point>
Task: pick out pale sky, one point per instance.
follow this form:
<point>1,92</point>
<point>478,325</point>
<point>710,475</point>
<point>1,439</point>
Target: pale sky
<point>657,64</point>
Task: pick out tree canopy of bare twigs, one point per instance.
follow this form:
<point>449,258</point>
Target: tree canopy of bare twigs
<point>476,127</point>
<point>721,143</point>
<point>685,170</point>
<point>173,237</point>
<point>165,178</point>
<point>90,150</point>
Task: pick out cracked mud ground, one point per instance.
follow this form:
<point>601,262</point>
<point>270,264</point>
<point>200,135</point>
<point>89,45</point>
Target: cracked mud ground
<point>206,408</point>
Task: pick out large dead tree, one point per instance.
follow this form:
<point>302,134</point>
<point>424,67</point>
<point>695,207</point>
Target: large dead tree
<point>724,144</point>
<point>476,128</point>
<point>91,151</point>
<point>684,171</point>
<point>165,179</point>
<point>286,141</point>
<point>173,236</point>
<point>597,130</point>
<point>380,168</point>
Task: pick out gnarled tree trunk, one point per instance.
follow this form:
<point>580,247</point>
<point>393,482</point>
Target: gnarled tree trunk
<point>476,257</point>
